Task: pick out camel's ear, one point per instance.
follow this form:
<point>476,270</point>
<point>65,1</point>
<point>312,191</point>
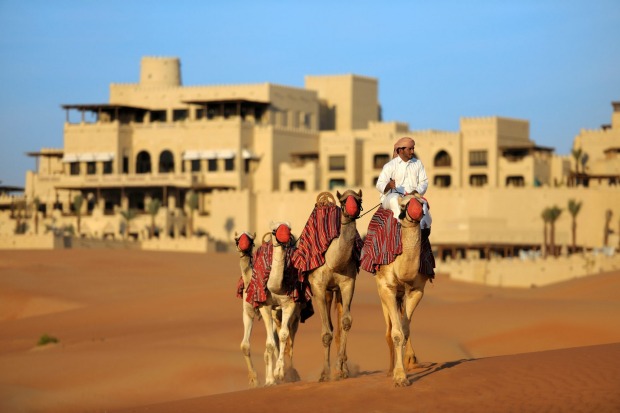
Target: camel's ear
<point>235,234</point>
<point>254,235</point>
<point>338,195</point>
<point>360,193</point>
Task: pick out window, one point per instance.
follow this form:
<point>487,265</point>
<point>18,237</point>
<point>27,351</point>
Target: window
<point>337,163</point>
<point>478,180</point>
<point>375,180</point>
<point>166,162</point>
<point>515,181</point>
<point>333,183</point>
<point>229,164</point>
<point>212,165</point>
<point>107,167</point>
<point>158,116</point>
<point>74,168</point>
<point>297,186</point>
<point>442,181</point>
<point>200,113</point>
<point>443,159</point>
<point>143,163</point>
<point>380,159</point>
<point>91,168</point>
<point>179,115</point>
<point>195,165</point>
<point>125,164</point>
<point>477,158</point>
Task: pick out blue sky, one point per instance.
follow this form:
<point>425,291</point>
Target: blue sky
<point>553,63</point>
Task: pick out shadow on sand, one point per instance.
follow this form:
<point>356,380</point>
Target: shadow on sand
<point>431,368</point>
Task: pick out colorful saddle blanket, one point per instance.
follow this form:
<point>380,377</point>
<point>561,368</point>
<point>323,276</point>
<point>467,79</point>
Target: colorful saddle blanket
<point>382,244</point>
<point>321,229</point>
<point>296,284</point>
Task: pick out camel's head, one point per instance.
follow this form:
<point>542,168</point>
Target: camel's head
<point>411,207</point>
<point>281,232</point>
<point>245,242</point>
<point>351,203</point>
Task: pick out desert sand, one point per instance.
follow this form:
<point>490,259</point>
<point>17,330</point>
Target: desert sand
<point>159,332</point>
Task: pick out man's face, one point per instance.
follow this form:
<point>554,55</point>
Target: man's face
<point>407,152</point>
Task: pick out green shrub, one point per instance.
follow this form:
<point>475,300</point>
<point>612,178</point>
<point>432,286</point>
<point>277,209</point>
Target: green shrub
<point>46,339</point>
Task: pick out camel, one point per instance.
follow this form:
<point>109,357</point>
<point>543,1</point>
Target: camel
<point>289,311</point>
<point>401,287</point>
<point>245,244</point>
<point>336,278</point>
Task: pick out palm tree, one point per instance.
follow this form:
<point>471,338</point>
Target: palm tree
<point>192,203</point>
<point>554,214</point>
<point>128,215</point>
<point>577,155</point>
<point>153,209</point>
<point>608,215</point>
<point>77,207</point>
<point>36,204</point>
<point>574,207</point>
<point>546,216</point>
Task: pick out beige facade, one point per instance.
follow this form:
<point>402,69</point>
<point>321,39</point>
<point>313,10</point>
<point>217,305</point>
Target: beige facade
<point>260,152</point>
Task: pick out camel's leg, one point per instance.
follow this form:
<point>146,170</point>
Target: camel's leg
<point>388,299</point>
<point>412,299</point>
<point>321,298</point>
<point>347,290</point>
<point>270,346</point>
<point>290,372</point>
<point>388,336</point>
<point>248,321</point>
<point>287,313</point>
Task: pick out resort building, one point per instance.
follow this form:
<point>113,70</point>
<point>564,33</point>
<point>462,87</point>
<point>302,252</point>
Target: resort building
<point>226,158</point>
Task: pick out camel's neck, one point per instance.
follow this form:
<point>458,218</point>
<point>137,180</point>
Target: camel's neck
<point>341,249</point>
<point>411,238</point>
<point>245,263</point>
<point>276,275</point>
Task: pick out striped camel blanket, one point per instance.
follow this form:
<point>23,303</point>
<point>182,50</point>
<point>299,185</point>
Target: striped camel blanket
<point>296,284</point>
<point>240,287</point>
<point>382,244</point>
<point>321,229</point>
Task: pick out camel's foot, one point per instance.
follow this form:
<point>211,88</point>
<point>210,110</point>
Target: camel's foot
<point>324,376</point>
<point>253,379</point>
<point>343,371</point>
<point>278,372</point>
<point>400,378</point>
<point>411,362</point>
<point>270,382</point>
<point>291,375</point>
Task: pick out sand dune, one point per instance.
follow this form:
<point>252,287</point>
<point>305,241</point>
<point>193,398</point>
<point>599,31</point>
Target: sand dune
<point>162,330</point>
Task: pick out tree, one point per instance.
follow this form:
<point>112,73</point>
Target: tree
<point>36,204</point>
<point>554,214</point>
<point>608,216</point>
<point>128,215</point>
<point>577,156</point>
<point>546,216</point>
<point>78,200</point>
<point>153,209</point>
<point>573,208</point>
<point>192,203</point>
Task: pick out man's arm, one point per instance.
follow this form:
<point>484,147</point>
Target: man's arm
<point>385,177</point>
<point>422,180</point>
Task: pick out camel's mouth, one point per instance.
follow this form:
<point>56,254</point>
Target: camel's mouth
<point>283,234</point>
<point>244,243</point>
<point>352,207</point>
<point>414,209</point>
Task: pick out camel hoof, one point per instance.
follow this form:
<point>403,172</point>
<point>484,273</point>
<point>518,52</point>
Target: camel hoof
<point>401,382</point>
<point>253,380</point>
<point>270,383</point>
<point>324,377</point>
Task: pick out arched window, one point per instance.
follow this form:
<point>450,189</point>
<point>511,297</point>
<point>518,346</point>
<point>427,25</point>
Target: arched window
<point>143,163</point>
<point>443,159</point>
<point>166,162</point>
<point>478,180</point>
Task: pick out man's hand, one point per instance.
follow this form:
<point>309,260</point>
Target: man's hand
<point>390,185</point>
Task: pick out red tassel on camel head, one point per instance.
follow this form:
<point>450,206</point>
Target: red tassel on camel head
<point>351,207</point>
<point>414,209</point>
<point>283,234</point>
